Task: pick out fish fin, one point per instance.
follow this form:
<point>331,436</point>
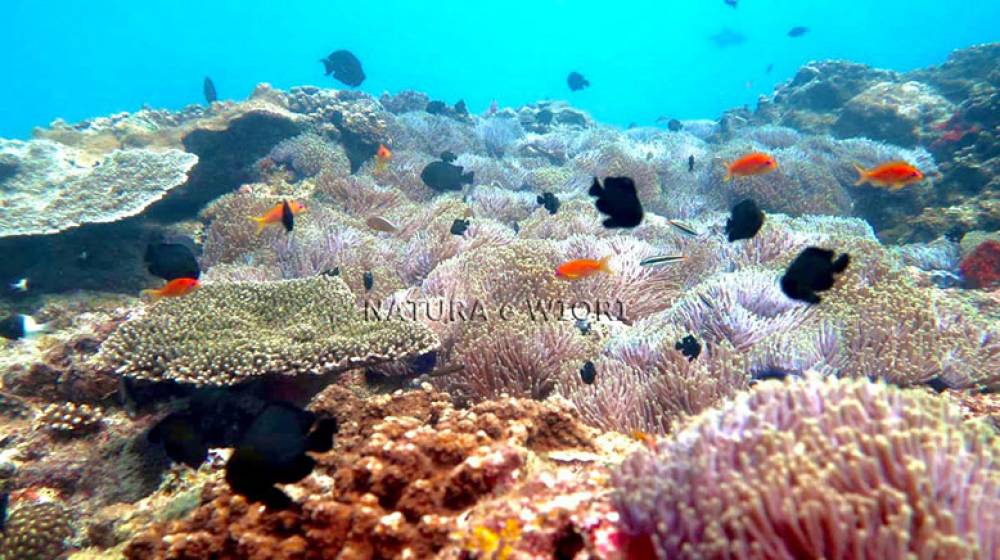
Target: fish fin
<point>604,264</point>
<point>841,263</point>
<point>862,174</point>
<point>595,188</point>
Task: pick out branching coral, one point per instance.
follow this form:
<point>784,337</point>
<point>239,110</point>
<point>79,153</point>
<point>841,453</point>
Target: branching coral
<point>309,153</point>
<point>433,134</point>
<point>228,333</point>
<point>497,133</point>
<point>817,469</point>
<point>357,195</point>
<point>519,355</point>
<point>740,308</point>
<point>649,388</point>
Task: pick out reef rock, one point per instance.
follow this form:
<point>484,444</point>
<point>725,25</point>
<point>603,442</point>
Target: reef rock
<point>51,187</point>
<point>892,112</point>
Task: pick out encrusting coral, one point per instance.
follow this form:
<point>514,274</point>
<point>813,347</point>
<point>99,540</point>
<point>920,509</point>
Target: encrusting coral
<point>228,333</point>
<point>817,469</point>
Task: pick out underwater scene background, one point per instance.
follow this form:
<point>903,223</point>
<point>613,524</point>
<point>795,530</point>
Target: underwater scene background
<point>549,280</point>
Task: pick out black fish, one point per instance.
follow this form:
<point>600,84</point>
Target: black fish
<point>459,226</point>
<point>691,163</point>
<point>15,327</point>
<point>588,372</point>
<point>583,325</point>
<point>335,271</point>
<point>448,157</point>
<point>345,67</point>
<point>798,31</point>
<point>209,89</point>
<point>4,501</point>
<point>938,384</point>
<point>744,221</point>
<point>618,199</point>
<point>443,176</point>
<point>731,3</point>
<point>287,217</point>
<point>181,438</point>
<point>767,375</point>
<point>424,363</point>
<point>549,201</point>
<point>543,117</point>
<point>812,271</point>
<point>632,125</point>
<point>516,227</point>
<point>769,68</point>
<point>369,280</point>
<point>576,81</point>
<point>171,259</point>
<point>436,108</point>
<point>273,451</point>
<point>461,109</point>
<point>689,346</point>
<point>674,125</point>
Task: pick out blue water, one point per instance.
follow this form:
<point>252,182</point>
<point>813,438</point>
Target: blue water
<point>73,59</point>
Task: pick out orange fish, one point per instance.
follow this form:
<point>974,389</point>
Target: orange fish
<point>273,216</point>
<point>582,268</point>
<point>174,288</point>
<point>755,163</point>
<point>893,175</point>
<point>382,157</point>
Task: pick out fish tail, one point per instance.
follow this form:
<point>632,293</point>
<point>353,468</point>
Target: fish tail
<point>729,173</point>
<point>467,178</point>
<point>261,224</point>
<point>150,293</point>
<point>604,264</point>
<point>862,174</point>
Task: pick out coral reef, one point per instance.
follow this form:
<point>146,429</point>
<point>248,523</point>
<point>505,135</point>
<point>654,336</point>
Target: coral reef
<point>817,469</point>
<point>226,333</point>
<point>70,418</point>
<point>56,187</point>
<point>981,267</point>
<point>36,531</point>
<point>404,468</point>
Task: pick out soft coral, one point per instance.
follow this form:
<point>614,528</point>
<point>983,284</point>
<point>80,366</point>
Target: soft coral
<point>981,267</point>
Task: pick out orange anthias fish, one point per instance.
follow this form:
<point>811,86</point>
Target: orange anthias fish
<point>755,163</point>
<point>273,216</point>
<point>582,268</point>
<point>893,175</point>
<point>174,288</point>
<point>382,157</point>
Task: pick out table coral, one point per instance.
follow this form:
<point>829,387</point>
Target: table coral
<point>227,333</point>
<point>55,187</point>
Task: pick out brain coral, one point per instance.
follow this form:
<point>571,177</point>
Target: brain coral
<point>818,469</point>
<point>225,333</point>
<point>54,187</point>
